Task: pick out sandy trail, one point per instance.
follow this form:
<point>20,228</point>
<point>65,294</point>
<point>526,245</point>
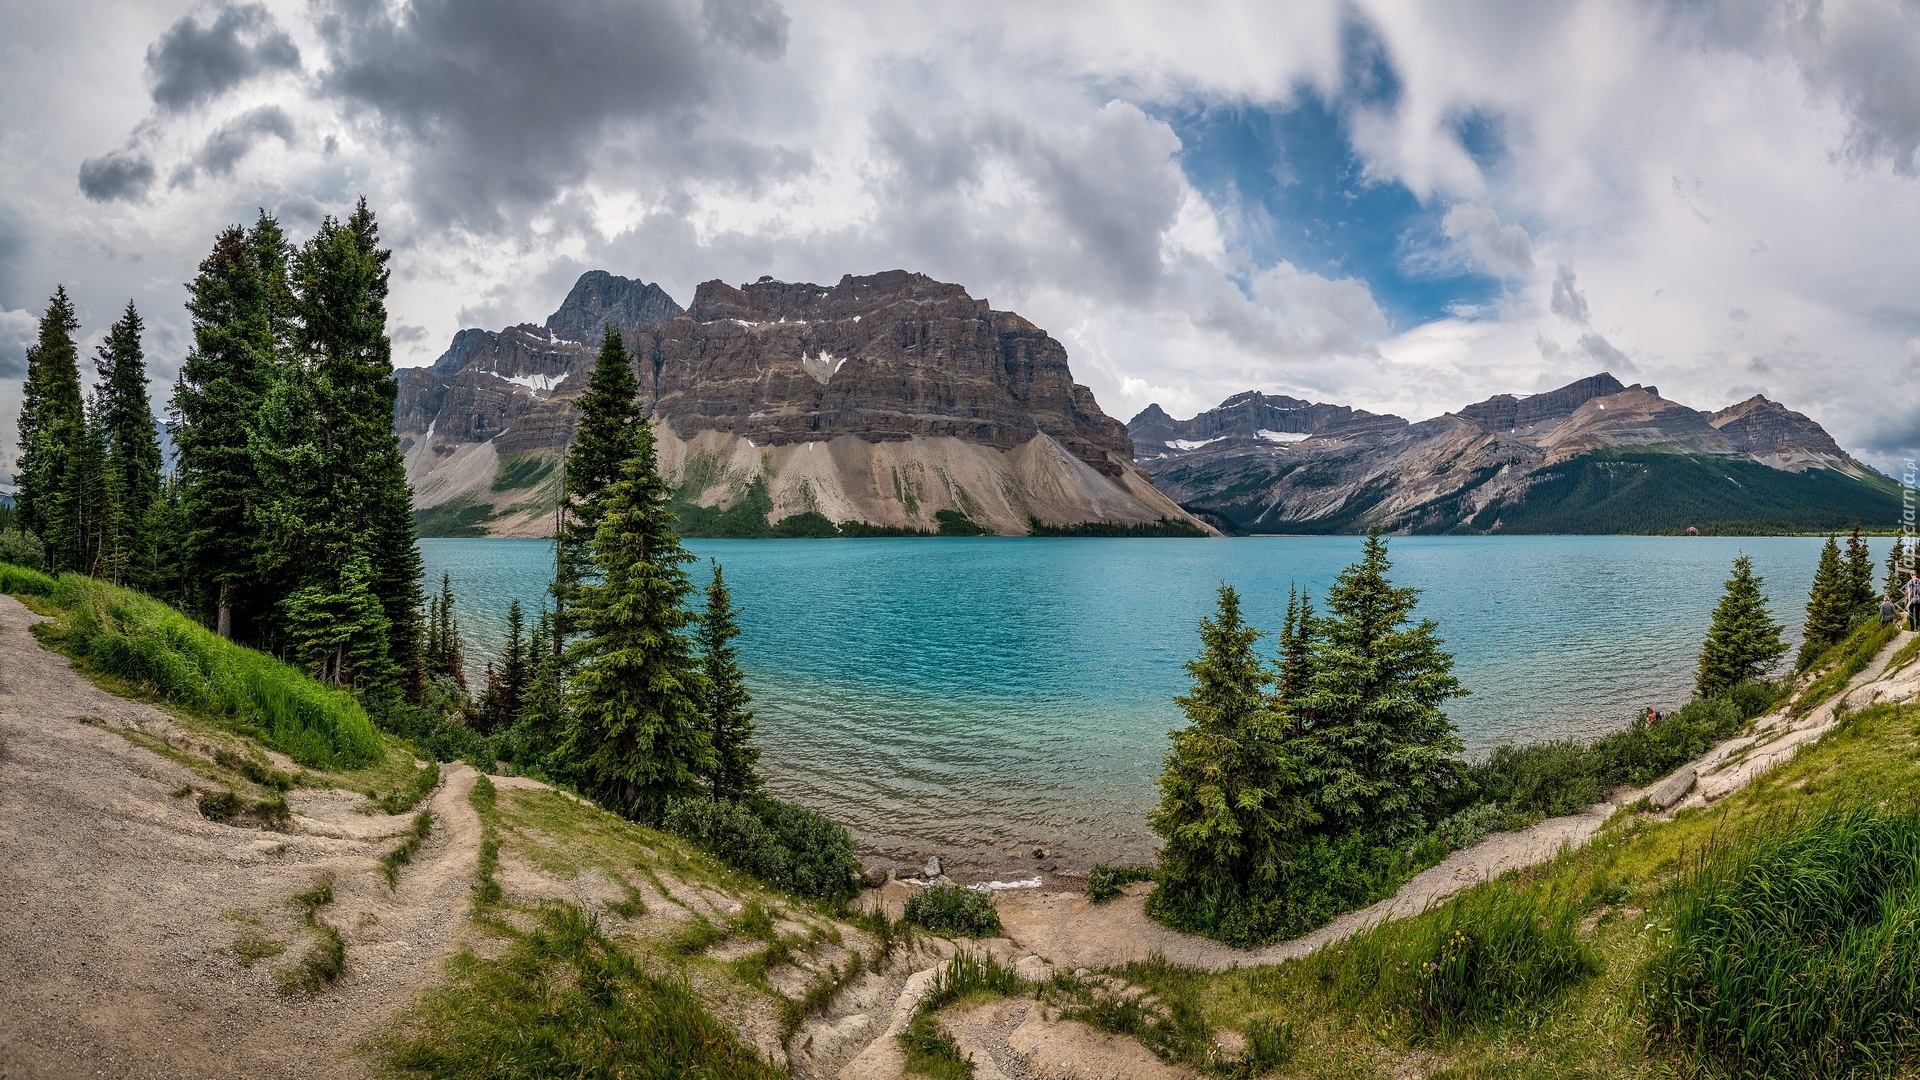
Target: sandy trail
<point>120,905</point>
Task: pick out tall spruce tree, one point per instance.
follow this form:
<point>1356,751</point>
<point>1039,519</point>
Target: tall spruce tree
<point>240,305</point>
<point>1744,642</point>
<point>340,289</point>
<point>1859,573</point>
<point>1899,568</point>
<point>441,649</point>
<point>52,423</point>
<point>1230,808</point>
<point>1382,752</point>
<point>507,677</point>
<point>85,499</point>
<point>132,446</point>
<point>543,718</point>
<point>1295,673</point>
<point>724,698</point>
<point>603,443</point>
<point>1829,610</point>
<point>636,739</point>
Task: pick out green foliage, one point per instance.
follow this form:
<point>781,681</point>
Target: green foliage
<point>955,523</point>
<point>747,517</point>
<point>1378,749</point>
<point>1793,951</point>
<point>460,516</point>
<point>1495,950</point>
<point>1165,527</point>
<point>338,629</point>
<point>421,785</point>
<point>930,1051</point>
<point>603,443</point>
<point>724,698</point>
<point>25,581</point>
<point>52,427</point>
<point>783,844</point>
<point>564,1000</point>
<point>1846,659</point>
<point>1859,592</point>
<point>1829,606</point>
<point>402,853</point>
<point>132,464</point>
<point>635,737</point>
<point>1105,882</point>
<point>521,471</point>
<point>121,633</point>
<point>441,652</point>
<point>1899,569</point>
<point>950,909</point>
<point>22,549</point>
<point>1743,642</point>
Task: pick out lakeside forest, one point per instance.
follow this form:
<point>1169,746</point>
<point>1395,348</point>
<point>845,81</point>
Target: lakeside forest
<point>271,578</point>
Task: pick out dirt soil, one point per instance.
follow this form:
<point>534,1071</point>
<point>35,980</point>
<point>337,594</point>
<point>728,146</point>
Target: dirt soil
<point>120,904</point>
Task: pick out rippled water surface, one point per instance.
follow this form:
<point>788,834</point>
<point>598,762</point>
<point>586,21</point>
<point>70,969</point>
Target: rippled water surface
<point>942,694</point>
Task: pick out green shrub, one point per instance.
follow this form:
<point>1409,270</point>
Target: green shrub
<point>21,549</point>
<point>782,843</point>
<point>1324,877</point>
<point>950,909</point>
<point>565,1001</point>
<point>1490,951</point>
<point>122,633</point>
<point>1849,658</point>
<point>1796,951</point>
<point>1105,882</point>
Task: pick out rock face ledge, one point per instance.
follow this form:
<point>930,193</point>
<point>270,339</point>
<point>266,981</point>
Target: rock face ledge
<point>884,400</point>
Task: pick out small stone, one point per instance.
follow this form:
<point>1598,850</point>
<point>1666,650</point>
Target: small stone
<point>1081,973</point>
<point>934,868</point>
<point>1042,853</point>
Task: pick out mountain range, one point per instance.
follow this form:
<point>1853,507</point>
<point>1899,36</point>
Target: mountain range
<point>888,403</point>
<point>1592,456</point>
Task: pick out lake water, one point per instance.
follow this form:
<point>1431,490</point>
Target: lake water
<point>964,695</point>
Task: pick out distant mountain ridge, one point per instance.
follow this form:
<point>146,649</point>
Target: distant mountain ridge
<point>893,401</point>
<point>1591,456</point>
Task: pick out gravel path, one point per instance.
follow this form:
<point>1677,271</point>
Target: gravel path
<point>120,905</point>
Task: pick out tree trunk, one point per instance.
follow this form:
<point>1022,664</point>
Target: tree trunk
<point>223,624</point>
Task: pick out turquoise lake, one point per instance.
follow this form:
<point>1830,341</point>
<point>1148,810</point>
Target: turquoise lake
<point>965,695</point>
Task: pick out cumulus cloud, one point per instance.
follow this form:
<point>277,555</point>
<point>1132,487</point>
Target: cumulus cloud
<point>1604,353</point>
<point>116,174</point>
<point>234,139</point>
<point>757,28</point>
<point>1567,300</point>
<point>1504,250</point>
<point>191,64</point>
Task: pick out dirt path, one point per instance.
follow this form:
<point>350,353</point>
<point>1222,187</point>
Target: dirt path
<point>120,905</point>
<point>1069,931</point>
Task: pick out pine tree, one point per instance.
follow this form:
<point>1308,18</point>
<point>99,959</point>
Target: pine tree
<point>339,630</point>
<point>724,698</point>
<point>132,443</point>
<point>86,496</point>
<point>603,443</point>
<point>1296,662</point>
<point>441,649</point>
<point>1828,610</point>
<point>1381,752</point>
<point>239,304</point>
<point>501,702</point>
<point>160,563</point>
<point>52,421</point>
<point>340,288</point>
<point>1744,642</point>
<point>543,717</point>
<point>1899,568</point>
<point>1859,573</point>
<point>636,739</point>
<point>1229,805</point>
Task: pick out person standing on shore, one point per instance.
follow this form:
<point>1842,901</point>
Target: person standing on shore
<point>1913,600</point>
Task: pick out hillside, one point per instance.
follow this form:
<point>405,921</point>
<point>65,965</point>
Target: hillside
<point>894,402</point>
<point>1593,456</point>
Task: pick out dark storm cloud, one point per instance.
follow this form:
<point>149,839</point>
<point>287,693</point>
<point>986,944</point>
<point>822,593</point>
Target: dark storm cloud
<point>225,147</point>
<point>505,102</point>
<point>191,63</point>
<point>116,174</point>
<point>755,27</point>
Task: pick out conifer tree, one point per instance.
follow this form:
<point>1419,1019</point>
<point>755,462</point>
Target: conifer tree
<point>501,702</point>
<point>442,646</point>
<point>159,564</point>
<point>1859,575</point>
<point>1296,662</point>
<point>1828,609</point>
<point>1744,642</point>
<point>132,443</point>
<point>724,698</point>
<point>339,629</point>
<point>239,306</point>
<point>543,718</point>
<point>603,443</point>
<point>52,422</point>
<point>1229,809</point>
<point>635,739</point>
<point>1899,567</point>
<point>85,496</point>
<point>1381,752</point>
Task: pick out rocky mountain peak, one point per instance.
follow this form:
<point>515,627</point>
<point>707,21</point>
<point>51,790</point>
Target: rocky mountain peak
<point>599,298</point>
<point>1504,412</point>
<point>1780,436</point>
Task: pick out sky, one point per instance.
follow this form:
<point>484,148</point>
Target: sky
<point>1400,206</point>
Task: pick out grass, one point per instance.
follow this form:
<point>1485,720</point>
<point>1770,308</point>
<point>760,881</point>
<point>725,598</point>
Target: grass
<point>1842,662</point>
<point>563,1000</point>
<point>1795,951</point>
<point>521,471</point>
<point>485,802</point>
<point>950,909</point>
<point>402,854</point>
<point>929,1049</point>
<point>405,797</point>
<point>326,958</point>
<point>461,516</point>
<point>1106,882</point>
<point>163,653</point>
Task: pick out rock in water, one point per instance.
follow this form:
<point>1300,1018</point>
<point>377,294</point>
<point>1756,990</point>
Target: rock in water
<point>933,869</point>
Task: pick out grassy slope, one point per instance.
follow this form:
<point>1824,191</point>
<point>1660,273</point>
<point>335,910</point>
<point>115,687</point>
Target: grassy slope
<point>1364,1008</point>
